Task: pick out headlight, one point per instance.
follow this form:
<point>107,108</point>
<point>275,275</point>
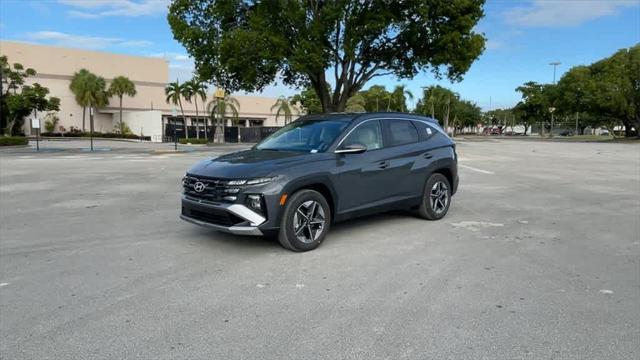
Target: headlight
<point>236,182</point>
<point>259,181</point>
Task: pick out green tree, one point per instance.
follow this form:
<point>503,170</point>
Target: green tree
<point>535,104</point>
<point>220,109</point>
<point>174,92</point>
<point>375,98</point>
<point>197,89</point>
<point>121,86</point>
<point>286,107</point>
<point>617,88</point>
<point>95,94</point>
<point>438,101</point>
<point>356,103</point>
<point>244,45</point>
<point>17,100</point>
<point>78,87</point>
<point>465,114</point>
<point>309,101</point>
<point>399,96</point>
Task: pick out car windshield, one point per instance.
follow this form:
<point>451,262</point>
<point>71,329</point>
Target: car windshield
<point>304,135</point>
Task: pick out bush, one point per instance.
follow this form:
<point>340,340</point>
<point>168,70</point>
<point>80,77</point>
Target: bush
<point>95,135</point>
<point>13,140</point>
<point>192,141</point>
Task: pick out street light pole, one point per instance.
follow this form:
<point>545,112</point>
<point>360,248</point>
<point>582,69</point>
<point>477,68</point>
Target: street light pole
<point>555,65</point>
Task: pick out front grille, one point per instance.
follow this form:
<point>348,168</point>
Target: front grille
<point>213,216</point>
<point>212,189</point>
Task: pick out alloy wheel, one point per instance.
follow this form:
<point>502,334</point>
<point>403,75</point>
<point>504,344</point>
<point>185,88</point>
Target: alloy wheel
<point>309,221</point>
<point>439,197</point>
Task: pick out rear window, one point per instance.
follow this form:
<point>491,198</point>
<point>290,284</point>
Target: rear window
<point>401,132</point>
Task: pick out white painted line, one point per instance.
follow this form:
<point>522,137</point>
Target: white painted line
<point>476,169</point>
<point>606,292</point>
<point>3,284</point>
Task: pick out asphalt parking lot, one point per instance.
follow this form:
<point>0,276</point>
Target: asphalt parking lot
<point>538,258</point>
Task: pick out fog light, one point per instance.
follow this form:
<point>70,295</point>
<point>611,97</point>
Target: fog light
<point>254,202</point>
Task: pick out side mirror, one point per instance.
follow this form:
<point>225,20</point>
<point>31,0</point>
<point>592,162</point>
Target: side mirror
<point>351,149</point>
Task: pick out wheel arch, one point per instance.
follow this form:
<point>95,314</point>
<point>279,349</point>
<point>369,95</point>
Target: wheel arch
<point>319,184</point>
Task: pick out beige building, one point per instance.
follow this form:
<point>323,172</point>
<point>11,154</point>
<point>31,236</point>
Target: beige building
<point>147,113</point>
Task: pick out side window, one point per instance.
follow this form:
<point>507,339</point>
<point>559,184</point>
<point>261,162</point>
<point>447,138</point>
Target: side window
<point>425,131</point>
<point>368,134</point>
<point>402,132</point>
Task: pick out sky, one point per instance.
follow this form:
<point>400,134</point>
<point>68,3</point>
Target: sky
<point>523,37</point>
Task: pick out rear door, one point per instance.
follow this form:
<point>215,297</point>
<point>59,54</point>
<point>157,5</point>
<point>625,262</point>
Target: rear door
<point>403,147</point>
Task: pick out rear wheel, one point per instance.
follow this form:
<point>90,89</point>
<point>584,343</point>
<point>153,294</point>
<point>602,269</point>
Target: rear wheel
<point>436,198</point>
<point>305,221</point>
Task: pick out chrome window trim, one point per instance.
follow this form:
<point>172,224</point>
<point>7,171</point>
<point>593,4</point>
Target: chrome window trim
<point>430,124</point>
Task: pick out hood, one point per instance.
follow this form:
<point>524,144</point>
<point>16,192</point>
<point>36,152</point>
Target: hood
<point>250,163</point>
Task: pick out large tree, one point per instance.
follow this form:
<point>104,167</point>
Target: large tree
<point>221,108</point>
<point>245,45</point>
<point>18,100</point>
<point>197,89</point>
<point>175,92</point>
<point>121,86</point>
<point>78,85</point>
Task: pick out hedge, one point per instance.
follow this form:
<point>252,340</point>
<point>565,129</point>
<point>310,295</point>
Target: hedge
<point>96,135</point>
<point>13,140</point>
<point>192,141</point>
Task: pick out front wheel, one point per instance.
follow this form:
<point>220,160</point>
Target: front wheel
<point>305,221</point>
<point>436,198</point>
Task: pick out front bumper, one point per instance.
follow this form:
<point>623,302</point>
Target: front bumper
<point>232,218</point>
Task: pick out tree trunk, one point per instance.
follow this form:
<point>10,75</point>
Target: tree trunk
<point>121,122</point>
<point>84,113</point>
<point>184,122</point>
<point>195,100</point>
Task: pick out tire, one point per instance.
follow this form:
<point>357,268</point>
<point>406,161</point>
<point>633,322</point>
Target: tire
<point>436,188</point>
<point>297,232</point>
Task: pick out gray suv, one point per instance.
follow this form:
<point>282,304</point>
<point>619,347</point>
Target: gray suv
<point>321,169</point>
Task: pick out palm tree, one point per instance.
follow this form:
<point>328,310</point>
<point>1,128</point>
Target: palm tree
<point>399,93</point>
<point>197,89</point>
<point>96,95</point>
<point>121,86</point>
<point>285,107</point>
<point>220,108</point>
<point>174,92</point>
<point>93,94</point>
<point>78,88</point>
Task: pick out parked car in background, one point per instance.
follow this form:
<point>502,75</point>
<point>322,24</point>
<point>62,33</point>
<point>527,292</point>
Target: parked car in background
<point>321,169</point>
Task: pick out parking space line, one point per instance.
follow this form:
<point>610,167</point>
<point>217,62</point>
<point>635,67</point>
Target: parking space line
<point>476,169</point>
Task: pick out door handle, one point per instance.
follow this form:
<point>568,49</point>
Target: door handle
<point>383,164</point>
<point>427,156</point>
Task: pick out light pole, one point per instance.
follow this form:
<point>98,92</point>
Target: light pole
<point>551,110</point>
<point>555,65</point>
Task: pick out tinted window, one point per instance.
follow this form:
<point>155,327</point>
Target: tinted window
<point>425,131</point>
<point>304,135</point>
<point>401,132</point>
<point>368,134</point>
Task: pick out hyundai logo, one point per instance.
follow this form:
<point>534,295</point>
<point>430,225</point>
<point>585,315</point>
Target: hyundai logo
<point>199,186</point>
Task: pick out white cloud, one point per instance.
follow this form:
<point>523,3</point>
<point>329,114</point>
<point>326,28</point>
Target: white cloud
<point>83,41</point>
<point>88,9</point>
<point>559,13</point>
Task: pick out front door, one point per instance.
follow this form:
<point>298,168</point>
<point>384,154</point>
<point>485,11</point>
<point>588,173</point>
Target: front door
<point>364,178</point>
